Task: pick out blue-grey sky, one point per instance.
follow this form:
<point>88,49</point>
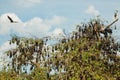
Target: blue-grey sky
<point>41,17</point>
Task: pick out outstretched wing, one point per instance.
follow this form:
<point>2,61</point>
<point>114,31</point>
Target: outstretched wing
<point>10,19</point>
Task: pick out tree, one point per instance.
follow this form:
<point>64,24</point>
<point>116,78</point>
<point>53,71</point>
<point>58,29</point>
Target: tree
<point>85,55</point>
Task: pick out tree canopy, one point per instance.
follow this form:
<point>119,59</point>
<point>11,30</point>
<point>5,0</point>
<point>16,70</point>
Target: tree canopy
<point>84,54</point>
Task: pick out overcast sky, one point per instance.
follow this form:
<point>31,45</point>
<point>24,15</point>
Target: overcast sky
<point>41,17</point>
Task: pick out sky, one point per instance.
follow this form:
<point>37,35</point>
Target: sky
<point>42,17</point>
<point>48,17</point>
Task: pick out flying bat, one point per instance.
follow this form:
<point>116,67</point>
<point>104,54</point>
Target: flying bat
<point>11,20</point>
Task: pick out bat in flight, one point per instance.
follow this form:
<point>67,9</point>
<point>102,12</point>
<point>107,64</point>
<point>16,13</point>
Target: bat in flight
<point>11,20</point>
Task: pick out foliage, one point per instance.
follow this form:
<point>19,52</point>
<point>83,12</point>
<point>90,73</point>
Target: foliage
<point>84,56</point>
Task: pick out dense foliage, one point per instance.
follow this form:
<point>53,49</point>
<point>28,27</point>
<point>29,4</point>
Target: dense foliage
<point>84,55</point>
